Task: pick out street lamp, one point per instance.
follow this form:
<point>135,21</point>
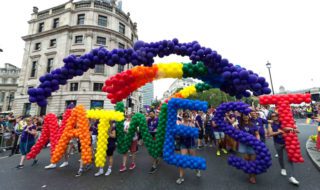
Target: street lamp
<point>269,67</point>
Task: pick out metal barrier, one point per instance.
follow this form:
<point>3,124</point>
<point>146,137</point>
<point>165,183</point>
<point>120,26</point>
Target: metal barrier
<point>6,141</point>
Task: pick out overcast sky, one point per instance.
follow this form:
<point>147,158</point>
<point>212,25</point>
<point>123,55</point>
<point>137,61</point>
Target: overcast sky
<point>246,32</point>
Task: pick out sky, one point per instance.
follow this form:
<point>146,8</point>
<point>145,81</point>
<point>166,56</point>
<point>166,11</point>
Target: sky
<point>248,33</point>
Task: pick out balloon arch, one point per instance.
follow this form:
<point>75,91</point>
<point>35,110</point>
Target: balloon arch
<point>207,65</point>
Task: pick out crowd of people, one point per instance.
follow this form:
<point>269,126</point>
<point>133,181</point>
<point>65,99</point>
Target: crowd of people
<point>263,123</point>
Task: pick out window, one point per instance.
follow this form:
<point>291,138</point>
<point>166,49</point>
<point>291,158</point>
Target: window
<point>132,36</point>
<point>71,103</point>
<point>2,94</point>
<point>97,87</point>
<point>49,65</point>
<point>41,27</point>
<point>80,19</point>
<point>121,46</point>
<point>26,109</point>
<point>74,86</point>
<point>37,46</point>
<point>4,80</point>
<point>33,69</point>
<point>99,69</point>
<point>78,40</point>
<point>122,28</point>
<point>55,23</point>
<point>53,42</point>
<point>101,40</point>
<point>96,104</point>
<point>120,68</point>
<point>102,20</point>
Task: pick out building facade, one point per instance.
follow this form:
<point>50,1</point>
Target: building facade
<point>73,28</point>
<point>8,86</point>
<point>178,84</point>
<point>147,94</point>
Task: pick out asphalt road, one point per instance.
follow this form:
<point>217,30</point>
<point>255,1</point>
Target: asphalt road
<point>217,176</point>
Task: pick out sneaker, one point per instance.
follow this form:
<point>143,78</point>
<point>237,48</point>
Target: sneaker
<point>283,172</point>
<point>34,162</point>
<point>79,173</point>
<point>152,170</point>
<point>132,166</point>
<point>99,173</point>
<point>123,169</point>
<point>19,166</point>
<point>64,164</point>
<point>224,151</point>
<point>293,181</point>
<point>51,166</point>
<point>276,155</point>
<point>198,173</point>
<point>218,153</point>
<point>180,180</point>
<point>108,172</point>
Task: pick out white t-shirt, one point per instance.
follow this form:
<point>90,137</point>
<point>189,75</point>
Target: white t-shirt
<point>126,128</point>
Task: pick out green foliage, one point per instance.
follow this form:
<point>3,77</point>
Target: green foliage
<point>215,97</point>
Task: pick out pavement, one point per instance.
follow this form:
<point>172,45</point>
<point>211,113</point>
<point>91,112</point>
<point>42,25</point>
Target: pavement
<point>219,175</point>
<point>313,153</point>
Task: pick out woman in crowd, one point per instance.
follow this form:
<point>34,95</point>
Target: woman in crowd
<point>28,137</point>
<point>259,123</point>
<point>110,150</point>
<point>133,147</point>
<point>231,144</point>
<point>220,138</point>
<point>187,145</point>
<point>249,154</point>
<point>152,122</point>
<point>275,131</point>
<point>17,132</point>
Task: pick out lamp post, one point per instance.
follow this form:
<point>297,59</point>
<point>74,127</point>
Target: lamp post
<point>269,67</point>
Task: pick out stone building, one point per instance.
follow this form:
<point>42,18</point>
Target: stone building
<point>73,28</point>
<point>8,86</point>
<point>178,84</point>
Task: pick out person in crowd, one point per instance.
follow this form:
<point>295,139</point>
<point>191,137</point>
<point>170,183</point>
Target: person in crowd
<point>199,125</point>
<point>260,124</point>
<point>94,132</point>
<point>133,147</point>
<point>275,131</point>
<point>11,122</point>
<point>188,146</point>
<point>28,137</point>
<point>249,154</point>
<point>18,128</point>
<point>232,119</point>
<point>220,138</point>
<point>110,150</point>
<point>309,111</point>
<point>83,168</point>
<point>208,130</point>
<point>3,125</point>
<point>152,126</point>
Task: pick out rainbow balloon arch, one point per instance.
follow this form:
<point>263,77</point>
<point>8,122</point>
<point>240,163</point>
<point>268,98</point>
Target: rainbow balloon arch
<point>206,65</point>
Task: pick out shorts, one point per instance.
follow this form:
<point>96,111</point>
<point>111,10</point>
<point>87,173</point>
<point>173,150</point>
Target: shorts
<point>25,147</point>
<point>218,135</point>
<point>110,150</point>
<point>244,149</point>
<point>133,147</point>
